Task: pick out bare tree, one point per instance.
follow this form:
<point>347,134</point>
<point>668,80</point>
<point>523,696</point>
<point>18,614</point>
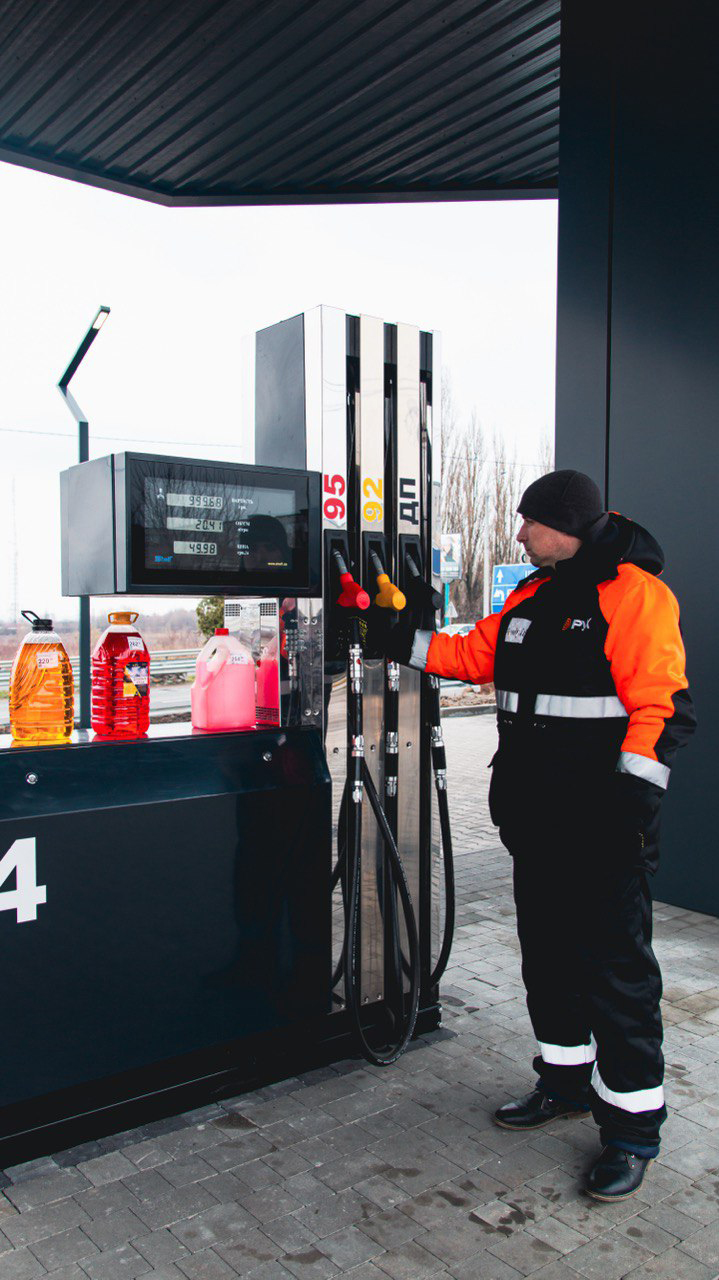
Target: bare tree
<point>463,500</point>
<point>545,454</point>
<point>480,495</point>
<point>506,485</point>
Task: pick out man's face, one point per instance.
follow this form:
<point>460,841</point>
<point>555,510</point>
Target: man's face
<point>544,546</point>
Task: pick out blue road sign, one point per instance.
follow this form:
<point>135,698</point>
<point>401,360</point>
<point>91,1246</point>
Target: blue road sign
<point>505,577</point>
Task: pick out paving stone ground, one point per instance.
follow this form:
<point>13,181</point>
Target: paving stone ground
<point>400,1173</point>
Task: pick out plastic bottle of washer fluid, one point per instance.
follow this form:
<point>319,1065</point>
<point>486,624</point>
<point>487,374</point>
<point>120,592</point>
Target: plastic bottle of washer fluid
<point>41,686</point>
<point>223,695</point>
<point>120,680</point>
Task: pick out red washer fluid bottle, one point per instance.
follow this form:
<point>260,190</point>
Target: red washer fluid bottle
<point>120,680</point>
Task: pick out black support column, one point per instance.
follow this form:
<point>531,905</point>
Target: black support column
<point>638,334</point>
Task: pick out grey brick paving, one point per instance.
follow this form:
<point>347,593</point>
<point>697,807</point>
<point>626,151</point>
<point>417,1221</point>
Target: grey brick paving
<point>350,1170</point>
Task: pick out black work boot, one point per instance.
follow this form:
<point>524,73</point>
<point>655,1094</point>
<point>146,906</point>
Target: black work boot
<point>536,1110</point>
<point>616,1175</point>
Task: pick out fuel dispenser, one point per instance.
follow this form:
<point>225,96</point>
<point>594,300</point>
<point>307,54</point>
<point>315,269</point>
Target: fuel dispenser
<point>248,914</point>
<point>354,398</point>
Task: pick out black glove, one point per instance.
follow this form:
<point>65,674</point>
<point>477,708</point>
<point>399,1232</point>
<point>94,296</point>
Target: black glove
<point>396,641</point>
<point>635,811</point>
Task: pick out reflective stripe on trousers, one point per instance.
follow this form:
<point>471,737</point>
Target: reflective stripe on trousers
<point>568,1055</point>
<point>564,706</point>
<point>635,1100</point>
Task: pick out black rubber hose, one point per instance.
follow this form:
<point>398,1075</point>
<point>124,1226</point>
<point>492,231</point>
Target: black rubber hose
<point>359,781</point>
<point>424,602</point>
<point>375,1056</point>
<point>339,873</point>
<point>439,764</point>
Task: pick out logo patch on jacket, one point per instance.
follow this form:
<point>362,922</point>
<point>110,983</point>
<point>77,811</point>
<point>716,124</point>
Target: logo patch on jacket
<point>517,630</point>
<point>576,624</point>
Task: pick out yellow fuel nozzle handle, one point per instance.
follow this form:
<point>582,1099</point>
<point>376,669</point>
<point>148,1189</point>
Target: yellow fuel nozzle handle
<point>388,596</point>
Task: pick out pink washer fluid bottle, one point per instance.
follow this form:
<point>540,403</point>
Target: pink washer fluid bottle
<point>223,695</point>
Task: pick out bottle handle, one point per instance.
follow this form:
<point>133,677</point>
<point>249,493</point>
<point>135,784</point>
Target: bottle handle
<point>218,660</point>
<point>125,613</point>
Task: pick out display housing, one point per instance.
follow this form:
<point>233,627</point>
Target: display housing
<point>148,524</point>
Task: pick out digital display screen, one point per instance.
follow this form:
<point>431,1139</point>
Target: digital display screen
<point>238,527</point>
<point>234,526</point>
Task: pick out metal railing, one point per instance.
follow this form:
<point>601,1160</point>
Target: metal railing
<point>163,662</point>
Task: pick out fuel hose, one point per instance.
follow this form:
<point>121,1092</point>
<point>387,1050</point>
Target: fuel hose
<point>393,890</point>
<point>424,601</point>
<point>439,765</point>
<point>359,782</point>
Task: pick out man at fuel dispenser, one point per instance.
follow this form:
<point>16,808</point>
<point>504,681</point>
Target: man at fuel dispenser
<point>588,664</point>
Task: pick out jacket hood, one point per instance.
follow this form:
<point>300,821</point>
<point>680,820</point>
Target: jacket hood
<point>623,541</point>
<point>615,540</point>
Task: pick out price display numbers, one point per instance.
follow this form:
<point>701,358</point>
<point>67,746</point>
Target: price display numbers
<point>203,501</point>
<point>195,548</point>
<point>202,525</point>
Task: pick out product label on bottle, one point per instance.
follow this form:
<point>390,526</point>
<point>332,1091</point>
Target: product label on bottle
<point>45,660</point>
<point>136,680</point>
<point>238,660</point>
<point>135,642</point>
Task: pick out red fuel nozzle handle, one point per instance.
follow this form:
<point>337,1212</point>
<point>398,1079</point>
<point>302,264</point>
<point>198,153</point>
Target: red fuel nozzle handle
<point>352,595</point>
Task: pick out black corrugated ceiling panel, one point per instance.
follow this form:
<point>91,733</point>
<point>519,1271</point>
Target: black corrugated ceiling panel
<point>225,101</point>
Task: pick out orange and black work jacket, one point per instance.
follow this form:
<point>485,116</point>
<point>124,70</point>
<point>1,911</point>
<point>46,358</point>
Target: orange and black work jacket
<point>592,699</point>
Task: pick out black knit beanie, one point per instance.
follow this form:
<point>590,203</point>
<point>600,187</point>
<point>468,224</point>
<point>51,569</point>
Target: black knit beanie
<point>564,500</point>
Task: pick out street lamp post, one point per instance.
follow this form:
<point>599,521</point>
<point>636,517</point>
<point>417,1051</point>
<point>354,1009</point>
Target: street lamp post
<point>83,454</point>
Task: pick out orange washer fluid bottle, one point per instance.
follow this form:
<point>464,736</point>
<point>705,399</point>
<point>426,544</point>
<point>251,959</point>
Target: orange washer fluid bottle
<point>41,686</point>
<point>120,680</point>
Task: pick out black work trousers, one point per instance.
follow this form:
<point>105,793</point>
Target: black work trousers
<point>593,983</point>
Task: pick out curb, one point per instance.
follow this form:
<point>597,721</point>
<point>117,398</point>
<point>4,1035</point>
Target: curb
<point>484,709</point>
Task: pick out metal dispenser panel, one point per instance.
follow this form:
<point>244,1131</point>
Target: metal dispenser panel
<point>370,456</point>
<point>325,356</point>
<point>431,455</point>
<point>408,507</point>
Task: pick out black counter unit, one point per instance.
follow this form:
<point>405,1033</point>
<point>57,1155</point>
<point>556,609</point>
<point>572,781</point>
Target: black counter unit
<point>164,908</point>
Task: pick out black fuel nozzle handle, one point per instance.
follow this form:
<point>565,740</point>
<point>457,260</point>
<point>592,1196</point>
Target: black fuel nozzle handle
<point>421,594</point>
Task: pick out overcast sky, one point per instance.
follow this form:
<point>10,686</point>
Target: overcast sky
<point>184,285</point>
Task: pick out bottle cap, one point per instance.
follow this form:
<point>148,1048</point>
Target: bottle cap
<point>37,624</point>
<point>124,618</point>
<point>221,631</point>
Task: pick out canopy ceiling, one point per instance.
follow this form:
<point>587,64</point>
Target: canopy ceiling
<point>271,101</point>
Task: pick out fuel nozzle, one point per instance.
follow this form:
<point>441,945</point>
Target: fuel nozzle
<point>422,595</point>
<point>352,595</point>
<point>388,595</point>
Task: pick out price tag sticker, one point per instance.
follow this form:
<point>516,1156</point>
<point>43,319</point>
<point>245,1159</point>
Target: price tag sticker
<point>238,660</point>
<point>135,642</point>
<point>45,660</point>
